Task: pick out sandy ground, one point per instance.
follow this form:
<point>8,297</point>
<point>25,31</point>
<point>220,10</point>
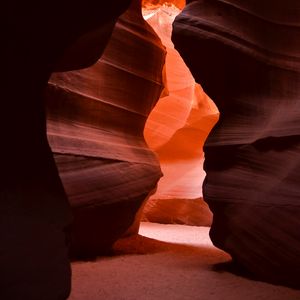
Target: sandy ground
<point>167,262</point>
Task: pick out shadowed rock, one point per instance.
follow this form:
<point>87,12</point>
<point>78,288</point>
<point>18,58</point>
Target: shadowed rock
<point>246,55</point>
<point>34,209</point>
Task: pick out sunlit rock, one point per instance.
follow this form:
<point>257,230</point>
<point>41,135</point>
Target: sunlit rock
<point>151,4</point>
<point>176,130</point>
<point>246,56</point>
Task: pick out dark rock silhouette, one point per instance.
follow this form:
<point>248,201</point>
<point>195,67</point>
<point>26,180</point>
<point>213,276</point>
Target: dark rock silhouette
<point>37,36</point>
<point>246,55</point>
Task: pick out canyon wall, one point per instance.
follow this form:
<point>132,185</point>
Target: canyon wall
<point>96,118</point>
<point>176,130</point>
<point>34,209</point>
<point>246,56</point>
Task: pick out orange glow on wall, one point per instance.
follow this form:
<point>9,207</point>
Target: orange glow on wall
<point>181,120</point>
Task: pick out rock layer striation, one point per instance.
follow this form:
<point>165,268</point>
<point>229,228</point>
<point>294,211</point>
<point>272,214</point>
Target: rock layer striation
<point>176,130</point>
<point>96,118</point>
<point>246,55</point>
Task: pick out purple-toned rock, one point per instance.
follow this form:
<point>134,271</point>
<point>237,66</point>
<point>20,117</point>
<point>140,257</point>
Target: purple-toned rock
<point>96,119</point>
<point>246,56</point>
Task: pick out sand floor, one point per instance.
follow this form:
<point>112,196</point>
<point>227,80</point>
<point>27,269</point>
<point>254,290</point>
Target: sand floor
<point>167,262</point>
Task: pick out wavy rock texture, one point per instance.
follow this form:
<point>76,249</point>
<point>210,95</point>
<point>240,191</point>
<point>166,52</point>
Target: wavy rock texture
<point>176,130</point>
<point>246,55</point>
<point>96,118</point>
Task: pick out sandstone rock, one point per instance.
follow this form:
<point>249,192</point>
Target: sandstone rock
<point>193,212</point>
<point>176,130</point>
<point>96,118</point>
<point>158,3</point>
<point>246,56</point>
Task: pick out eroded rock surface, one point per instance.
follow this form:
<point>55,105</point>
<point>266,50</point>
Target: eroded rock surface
<point>176,130</point>
<point>246,55</point>
<point>96,119</point>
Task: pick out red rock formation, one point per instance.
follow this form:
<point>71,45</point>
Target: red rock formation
<point>176,130</point>
<point>246,56</point>
<point>158,3</point>
<point>96,118</point>
<point>34,210</point>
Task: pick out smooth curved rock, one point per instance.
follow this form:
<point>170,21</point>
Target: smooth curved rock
<point>246,55</point>
<point>34,210</point>
<point>96,119</point>
<point>176,130</point>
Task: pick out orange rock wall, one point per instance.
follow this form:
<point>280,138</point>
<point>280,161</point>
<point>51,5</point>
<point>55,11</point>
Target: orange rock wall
<point>176,130</point>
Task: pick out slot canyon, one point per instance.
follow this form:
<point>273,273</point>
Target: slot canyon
<point>125,117</point>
